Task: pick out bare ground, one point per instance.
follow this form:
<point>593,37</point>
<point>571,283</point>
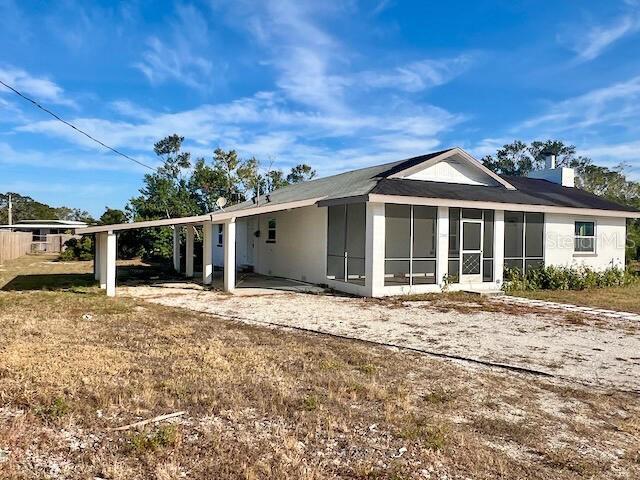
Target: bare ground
<point>575,347</point>
<point>270,403</point>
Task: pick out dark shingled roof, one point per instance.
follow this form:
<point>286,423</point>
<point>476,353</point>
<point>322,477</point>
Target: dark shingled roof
<point>375,180</point>
<point>529,191</point>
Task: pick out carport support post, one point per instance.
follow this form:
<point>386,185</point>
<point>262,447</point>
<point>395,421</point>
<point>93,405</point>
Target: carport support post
<point>96,256</point>
<point>229,235</point>
<point>374,249</point>
<point>111,264</point>
<point>176,248</point>
<point>102,259</point>
<point>207,253</point>
<point>189,252</point>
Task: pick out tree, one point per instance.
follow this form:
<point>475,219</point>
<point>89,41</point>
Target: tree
<point>26,208</point>
<point>519,159</point>
<point>178,189</point>
<point>275,179</point>
<point>301,173</point>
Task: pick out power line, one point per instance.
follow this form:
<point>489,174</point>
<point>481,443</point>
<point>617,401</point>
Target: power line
<point>60,119</point>
<point>57,117</point>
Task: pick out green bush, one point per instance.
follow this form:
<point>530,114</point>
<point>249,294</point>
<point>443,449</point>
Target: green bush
<point>566,278</point>
<point>78,249</point>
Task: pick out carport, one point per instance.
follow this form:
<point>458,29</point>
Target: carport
<point>105,240</point>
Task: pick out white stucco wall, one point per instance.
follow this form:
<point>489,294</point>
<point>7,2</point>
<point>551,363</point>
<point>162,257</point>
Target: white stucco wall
<point>300,248</point>
<point>559,242</point>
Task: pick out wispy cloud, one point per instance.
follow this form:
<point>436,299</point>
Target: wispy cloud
<point>40,87</point>
<point>591,43</point>
<point>417,76</point>
<point>175,59</point>
<point>67,159</point>
<point>264,125</point>
<point>614,105</point>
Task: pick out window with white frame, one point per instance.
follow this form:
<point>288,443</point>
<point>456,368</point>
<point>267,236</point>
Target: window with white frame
<point>220,234</point>
<point>271,230</point>
<point>585,237</point>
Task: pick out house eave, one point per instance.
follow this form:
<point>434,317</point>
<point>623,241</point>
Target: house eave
<point>518,207</point>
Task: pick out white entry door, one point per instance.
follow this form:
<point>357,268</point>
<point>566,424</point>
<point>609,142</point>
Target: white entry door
<point>471,248</point>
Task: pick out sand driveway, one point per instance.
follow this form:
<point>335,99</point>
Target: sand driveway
<point>588,350</point>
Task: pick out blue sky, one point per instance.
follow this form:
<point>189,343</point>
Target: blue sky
<point>338,85</point>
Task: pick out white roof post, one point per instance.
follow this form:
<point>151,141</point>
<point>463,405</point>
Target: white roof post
<point>102,262</point>
<point>176,248</point>
<point>229,235</point>
<point>374,248</point>
<point>207,253</point>
<point>96,256</point>
<point>111,264</point>
<point>189,252</point>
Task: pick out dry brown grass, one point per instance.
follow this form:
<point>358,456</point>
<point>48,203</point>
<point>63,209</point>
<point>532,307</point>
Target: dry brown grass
<point>614,298</point>
<point>464,302</point>
<point>265,403</point>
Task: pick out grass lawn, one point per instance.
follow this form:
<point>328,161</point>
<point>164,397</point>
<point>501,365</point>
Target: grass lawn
<point>616,298</point>
<point>267,403</point>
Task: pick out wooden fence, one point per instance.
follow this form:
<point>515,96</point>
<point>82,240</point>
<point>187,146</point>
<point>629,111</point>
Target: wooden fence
<point>55,242</point>
<point>14,245</point>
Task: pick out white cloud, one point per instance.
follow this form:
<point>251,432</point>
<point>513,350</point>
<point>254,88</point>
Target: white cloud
<point>614,105</point>
<point>417,76</point>
<point>41,88</point>
<point>263,125</point>
<point>175,59</point>
<point>68,159</point>
<point>592,43</point>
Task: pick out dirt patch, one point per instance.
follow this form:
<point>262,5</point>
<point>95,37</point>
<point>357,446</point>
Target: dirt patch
<point>585,349</point>
<point>270,403</point>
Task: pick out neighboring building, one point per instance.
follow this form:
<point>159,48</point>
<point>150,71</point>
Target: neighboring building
<point>410,226</point>
<point>42,228</point>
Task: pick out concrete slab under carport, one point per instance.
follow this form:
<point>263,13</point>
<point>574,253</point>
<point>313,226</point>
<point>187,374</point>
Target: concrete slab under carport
<point>247,284</point>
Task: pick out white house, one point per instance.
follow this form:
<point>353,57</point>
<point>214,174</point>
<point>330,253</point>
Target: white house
<point>410,226</point>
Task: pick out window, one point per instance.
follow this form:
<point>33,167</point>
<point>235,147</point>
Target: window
<point>410,245</point>
<point>271,230</point>
<point>585,239</point>
<point>220,234</point>
<point>523,240</point>
<point>346,243</point>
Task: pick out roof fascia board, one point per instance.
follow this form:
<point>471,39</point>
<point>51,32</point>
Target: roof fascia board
<point>329,202</point>
<point>165,222</point>
<point>257,210</point>
<point>518,207</point>
<point>454,151</point>
<point>216,217</point>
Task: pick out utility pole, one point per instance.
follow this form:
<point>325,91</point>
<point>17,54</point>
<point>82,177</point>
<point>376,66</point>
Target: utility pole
<point>10,211</point>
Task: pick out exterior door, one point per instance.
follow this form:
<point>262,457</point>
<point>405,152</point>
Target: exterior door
<point>471,248</point>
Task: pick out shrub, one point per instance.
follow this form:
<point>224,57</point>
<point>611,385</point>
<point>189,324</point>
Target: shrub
<point>566,278</point>
<point>78,249</point>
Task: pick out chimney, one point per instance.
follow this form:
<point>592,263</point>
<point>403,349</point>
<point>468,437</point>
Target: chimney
<point>552,173</point>
<point>549,160</point>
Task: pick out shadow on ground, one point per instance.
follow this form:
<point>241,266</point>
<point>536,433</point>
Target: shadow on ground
<point>49,281</point>
<point>126,274</point>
